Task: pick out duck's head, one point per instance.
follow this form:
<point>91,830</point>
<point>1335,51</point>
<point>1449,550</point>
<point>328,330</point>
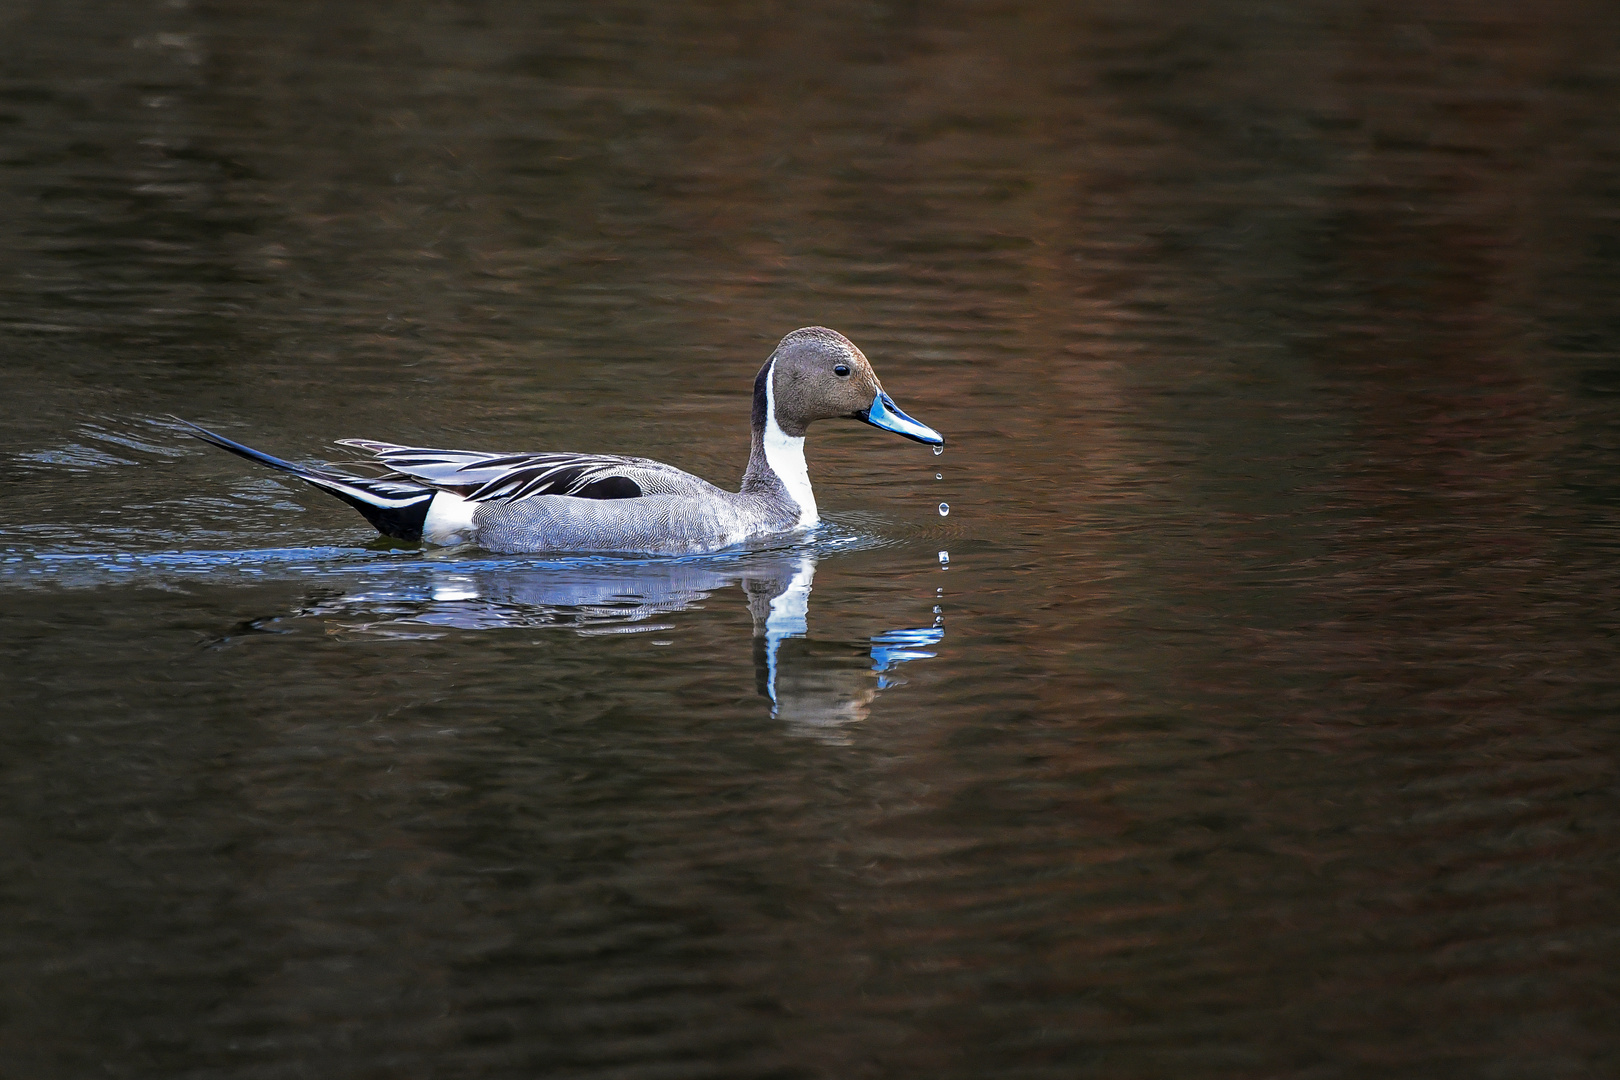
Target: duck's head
<point>819,374</point>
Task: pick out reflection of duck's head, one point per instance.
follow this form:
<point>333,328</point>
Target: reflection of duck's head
<point>817,687</point>
<point>812,685</point>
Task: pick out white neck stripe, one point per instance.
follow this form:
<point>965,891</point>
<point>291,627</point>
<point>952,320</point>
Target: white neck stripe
<point>785,455</point>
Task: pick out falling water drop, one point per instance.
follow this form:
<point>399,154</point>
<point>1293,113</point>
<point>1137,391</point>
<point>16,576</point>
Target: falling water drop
<point>939,476</point>
<point>944,508</point>
<point>938,450</point>
<point>944,560</point>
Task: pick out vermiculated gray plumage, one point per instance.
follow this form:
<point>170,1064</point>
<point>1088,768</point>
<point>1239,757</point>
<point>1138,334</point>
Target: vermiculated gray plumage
<point>653,524</point>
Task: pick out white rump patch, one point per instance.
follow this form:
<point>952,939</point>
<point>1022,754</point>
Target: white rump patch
<point>785,454</point>
<point>449,520</point>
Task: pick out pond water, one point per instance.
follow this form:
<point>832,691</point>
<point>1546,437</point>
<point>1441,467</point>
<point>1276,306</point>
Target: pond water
<point>1253,713</point>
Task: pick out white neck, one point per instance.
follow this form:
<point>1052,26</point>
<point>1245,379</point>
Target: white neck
<point>785,455</point>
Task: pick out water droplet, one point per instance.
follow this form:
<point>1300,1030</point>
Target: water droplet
<point>939,476</point>
<point>936,612</point>
<point>938,450</point>
<point>944,558</point>
<point>944,508</point>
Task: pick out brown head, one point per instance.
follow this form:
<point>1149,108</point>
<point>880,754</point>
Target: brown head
<point>819,374</point>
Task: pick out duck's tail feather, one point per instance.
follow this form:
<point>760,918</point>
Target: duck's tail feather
<point>397,508</point>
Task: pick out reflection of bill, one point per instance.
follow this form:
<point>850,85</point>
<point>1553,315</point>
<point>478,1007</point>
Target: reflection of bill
<point>816,686</point>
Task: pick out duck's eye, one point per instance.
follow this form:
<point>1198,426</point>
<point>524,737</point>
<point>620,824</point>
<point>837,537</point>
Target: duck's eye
<point>841,370</point>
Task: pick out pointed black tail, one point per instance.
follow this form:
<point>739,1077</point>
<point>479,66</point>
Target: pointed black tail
<point>397,508</point>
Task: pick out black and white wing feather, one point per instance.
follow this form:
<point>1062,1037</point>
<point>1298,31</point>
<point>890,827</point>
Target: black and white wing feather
<point>480,476</point>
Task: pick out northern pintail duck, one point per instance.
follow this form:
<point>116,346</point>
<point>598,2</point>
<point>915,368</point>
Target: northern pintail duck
<point>561,502</point>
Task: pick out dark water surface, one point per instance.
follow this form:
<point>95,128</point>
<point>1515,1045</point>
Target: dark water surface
<point>1260,722</point>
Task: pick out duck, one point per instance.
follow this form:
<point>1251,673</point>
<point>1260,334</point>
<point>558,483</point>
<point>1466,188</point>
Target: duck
<point>555,502</point>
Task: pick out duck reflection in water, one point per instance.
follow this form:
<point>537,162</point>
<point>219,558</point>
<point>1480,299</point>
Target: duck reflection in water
<point>816,686</point>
